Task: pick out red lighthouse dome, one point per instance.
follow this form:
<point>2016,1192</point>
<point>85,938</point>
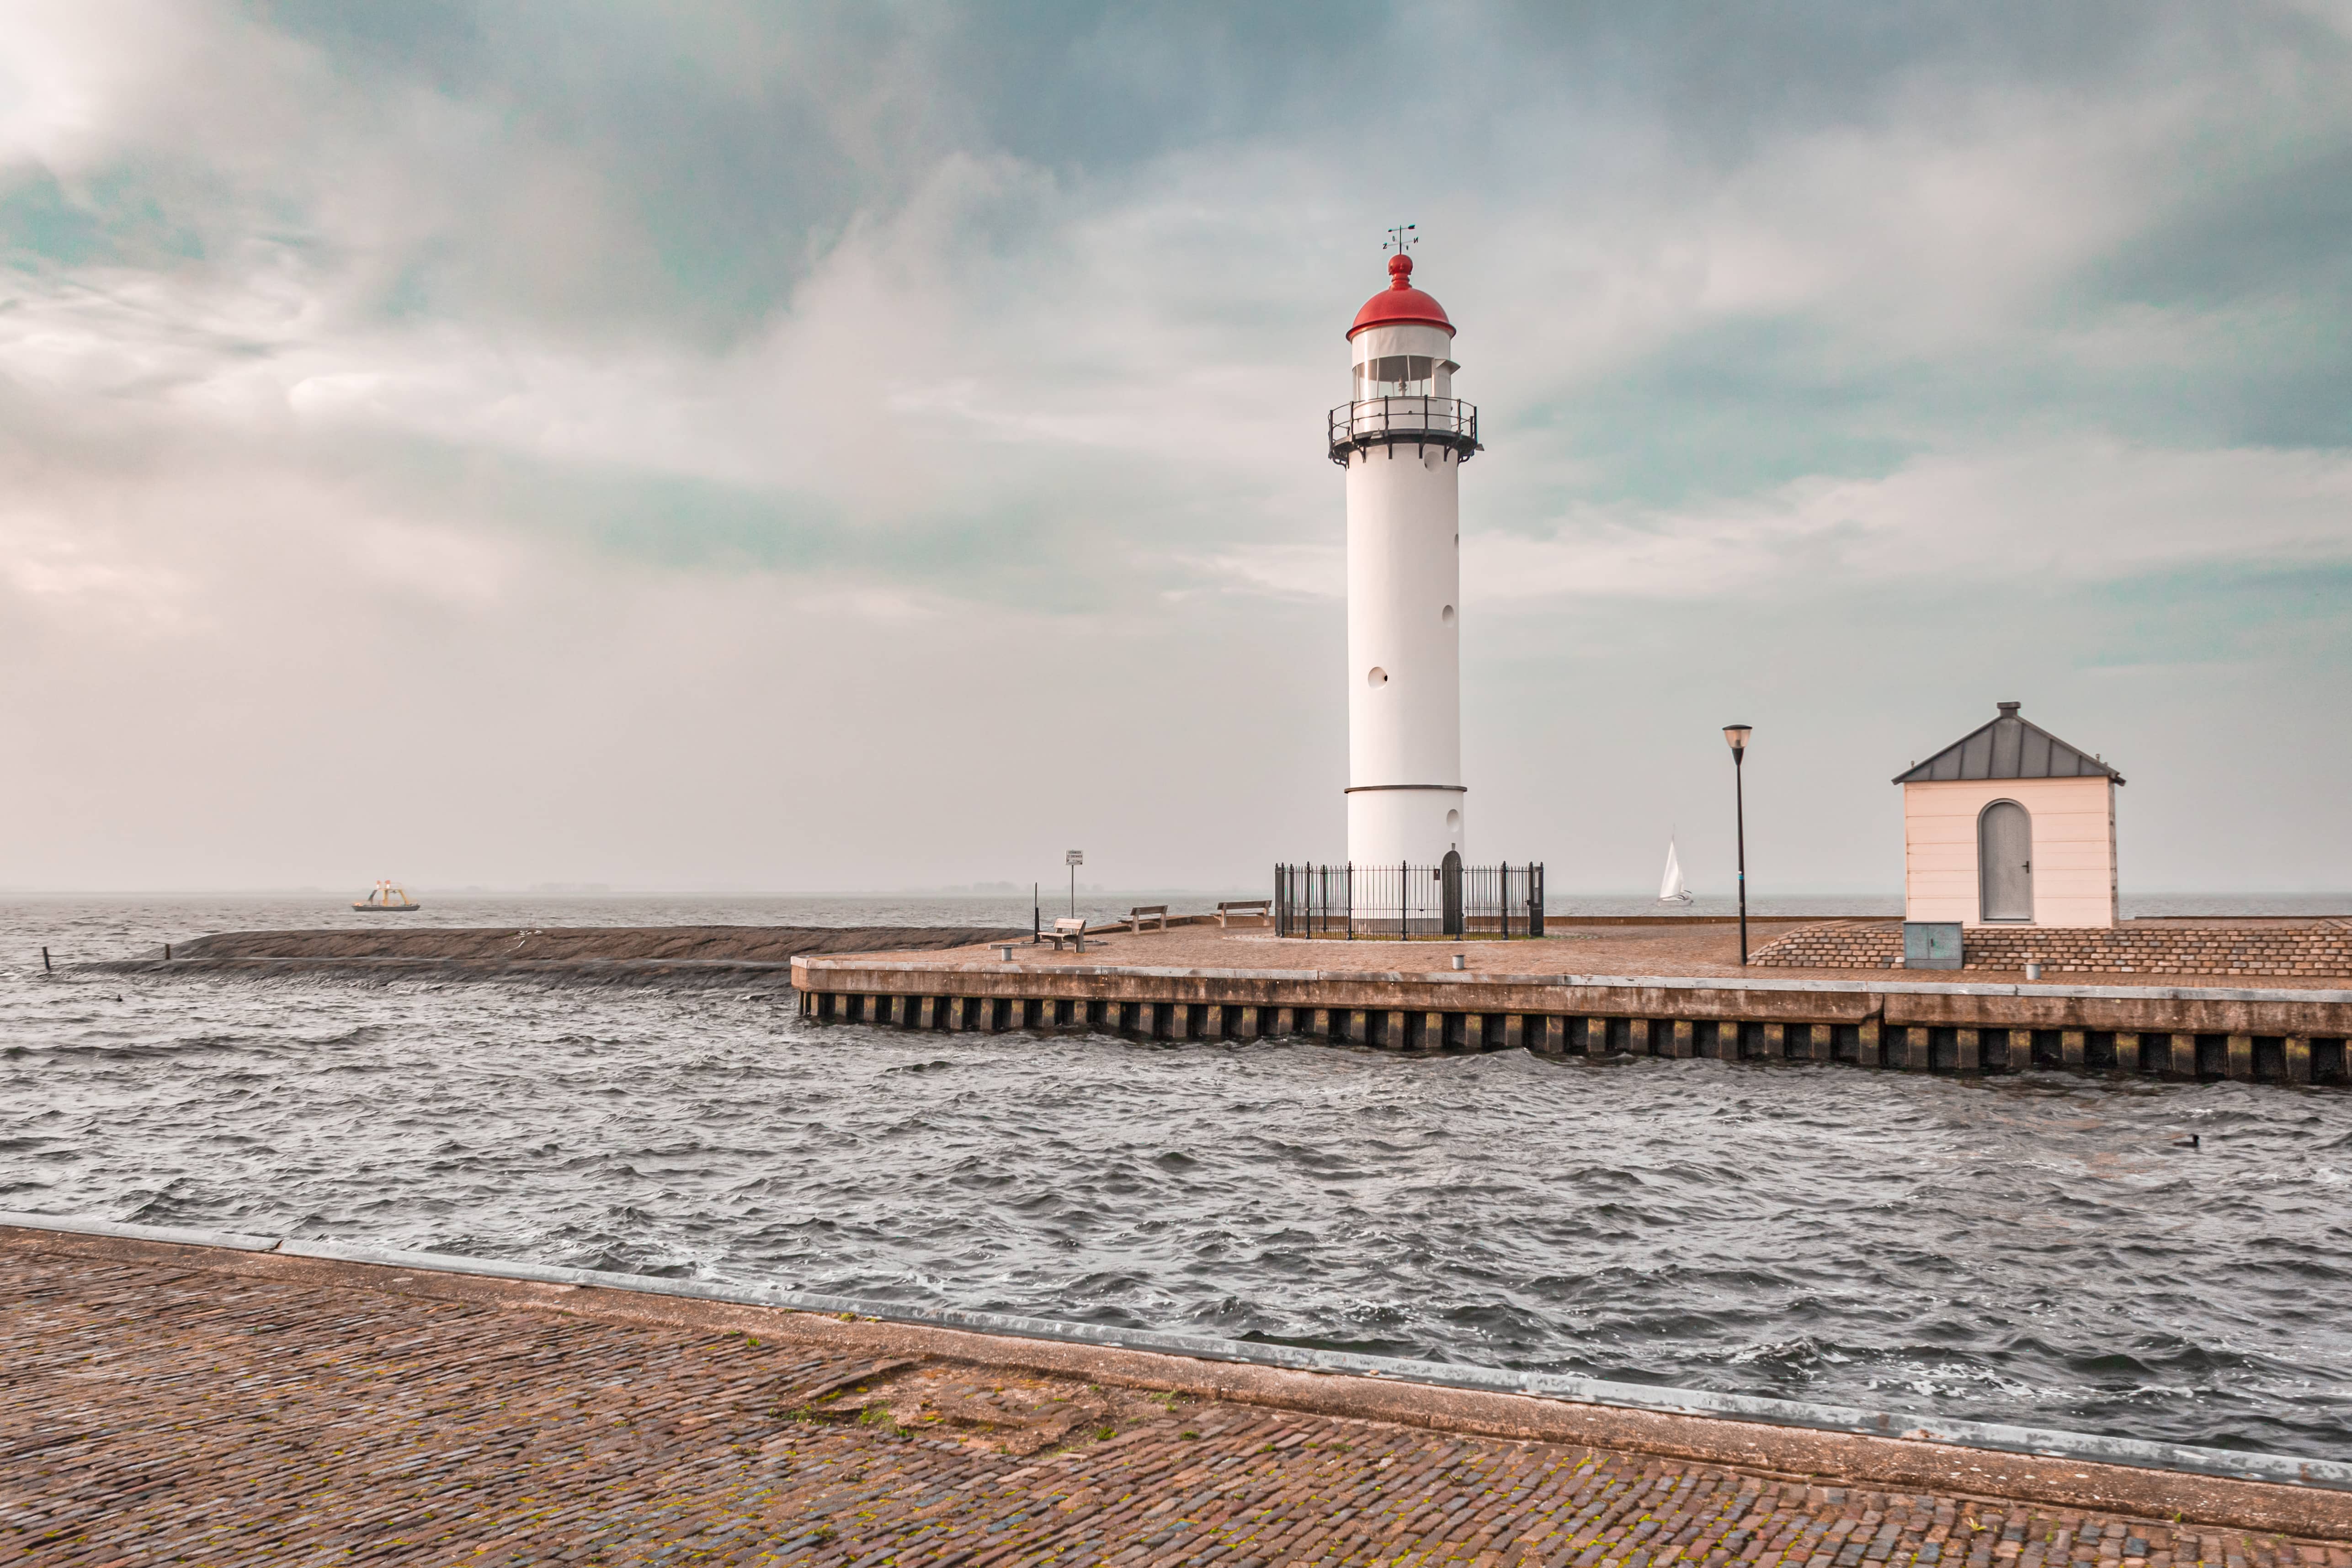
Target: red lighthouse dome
<point>1400,304</point>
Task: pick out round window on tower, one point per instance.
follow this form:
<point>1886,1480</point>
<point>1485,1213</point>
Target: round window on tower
<point>1446,615</point>
<point>1376,676</point>
<point>1453,822</point>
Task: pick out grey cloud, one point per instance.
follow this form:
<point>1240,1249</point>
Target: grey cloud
<point>630,382</point>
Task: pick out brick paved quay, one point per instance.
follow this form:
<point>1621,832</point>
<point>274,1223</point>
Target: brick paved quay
<point>174,1403</point>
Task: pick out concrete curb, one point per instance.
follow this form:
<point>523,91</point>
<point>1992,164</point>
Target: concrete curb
<point>2278,1470</point>
<point>79,1224</point>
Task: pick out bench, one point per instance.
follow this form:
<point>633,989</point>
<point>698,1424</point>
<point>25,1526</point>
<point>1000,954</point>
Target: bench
<point>1263,908</point>
<point>1067,930</point>
<point>1143,912</point>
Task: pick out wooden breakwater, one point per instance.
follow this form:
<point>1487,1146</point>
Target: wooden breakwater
<point>2279,1035</point>
<point>708,954</point>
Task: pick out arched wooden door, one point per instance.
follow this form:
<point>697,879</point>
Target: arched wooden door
<point>2005,861</point>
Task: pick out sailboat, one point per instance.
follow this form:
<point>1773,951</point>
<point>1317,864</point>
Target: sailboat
<point>1670,887</point>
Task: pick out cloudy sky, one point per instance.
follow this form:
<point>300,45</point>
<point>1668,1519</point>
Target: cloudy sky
<point>720,445</point>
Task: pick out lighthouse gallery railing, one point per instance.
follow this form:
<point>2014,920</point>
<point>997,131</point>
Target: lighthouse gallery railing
<point>1392,421</point>
<point>1408,900</point>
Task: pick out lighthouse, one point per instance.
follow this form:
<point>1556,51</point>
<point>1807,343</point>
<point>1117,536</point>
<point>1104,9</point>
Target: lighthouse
<point>1403,437</point>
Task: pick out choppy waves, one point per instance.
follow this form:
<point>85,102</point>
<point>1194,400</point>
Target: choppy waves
<point>2023,1249</point>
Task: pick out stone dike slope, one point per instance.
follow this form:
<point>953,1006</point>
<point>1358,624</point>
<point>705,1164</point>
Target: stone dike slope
<point>173,1402</point>
<point>2306,950</point>
<point>730,955</point>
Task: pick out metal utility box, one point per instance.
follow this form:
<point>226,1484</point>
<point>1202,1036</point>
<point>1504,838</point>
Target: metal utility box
<point>1931,944</point>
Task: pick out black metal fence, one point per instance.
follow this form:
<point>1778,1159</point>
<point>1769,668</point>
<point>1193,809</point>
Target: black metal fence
<point>1408,900</point>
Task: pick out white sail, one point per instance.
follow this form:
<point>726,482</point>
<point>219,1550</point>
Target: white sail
<point>1670,888</point>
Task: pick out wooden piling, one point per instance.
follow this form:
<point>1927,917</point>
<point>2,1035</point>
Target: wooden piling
<point>2242,1057</point>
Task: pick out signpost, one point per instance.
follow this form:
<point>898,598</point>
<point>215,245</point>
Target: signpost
<point>1075,859</point>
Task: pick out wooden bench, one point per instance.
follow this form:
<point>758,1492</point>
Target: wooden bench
<point>1143,912</point>
<point>1263,908</point>
<point>1067,930</point>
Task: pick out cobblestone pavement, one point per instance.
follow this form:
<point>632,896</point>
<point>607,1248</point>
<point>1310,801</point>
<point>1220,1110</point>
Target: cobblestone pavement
<point>153,1412</point>
<point>1674,949</point>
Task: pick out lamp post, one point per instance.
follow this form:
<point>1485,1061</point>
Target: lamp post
<point>1737,734</point>
<point>1074,859</point>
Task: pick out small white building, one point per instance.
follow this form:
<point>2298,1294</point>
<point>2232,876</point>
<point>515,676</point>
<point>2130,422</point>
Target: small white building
<point>2009,826</point>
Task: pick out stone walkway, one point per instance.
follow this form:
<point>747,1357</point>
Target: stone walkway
<point>171,1405</point>
<point>1677,949</point>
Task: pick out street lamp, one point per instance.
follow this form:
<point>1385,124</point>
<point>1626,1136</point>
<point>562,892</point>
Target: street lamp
<point>1737,734</point>
<point>1074,859</point>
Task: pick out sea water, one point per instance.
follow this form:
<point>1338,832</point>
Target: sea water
<point>2023,1248</point>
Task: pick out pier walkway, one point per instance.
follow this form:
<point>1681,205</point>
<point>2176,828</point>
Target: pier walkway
<point>165,1403</point>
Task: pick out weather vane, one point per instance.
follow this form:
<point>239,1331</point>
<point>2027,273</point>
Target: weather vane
<point>1402,237</point>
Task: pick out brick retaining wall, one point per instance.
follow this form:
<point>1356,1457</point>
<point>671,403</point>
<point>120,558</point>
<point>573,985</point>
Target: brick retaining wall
<point>2321,950</point>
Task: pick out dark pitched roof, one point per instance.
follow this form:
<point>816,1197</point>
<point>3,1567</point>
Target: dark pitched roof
<point>2008,747</point>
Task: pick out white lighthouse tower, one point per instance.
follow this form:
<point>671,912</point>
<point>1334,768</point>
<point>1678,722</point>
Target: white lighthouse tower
<point>1402,436</point>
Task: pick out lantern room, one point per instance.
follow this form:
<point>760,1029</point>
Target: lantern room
<point>2009,826</point>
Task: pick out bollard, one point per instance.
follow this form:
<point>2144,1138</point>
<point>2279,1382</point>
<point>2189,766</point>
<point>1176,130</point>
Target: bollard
<point>1461,960</point>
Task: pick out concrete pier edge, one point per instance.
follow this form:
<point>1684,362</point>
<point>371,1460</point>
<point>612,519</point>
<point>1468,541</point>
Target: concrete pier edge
<point>1651,1400</point>
<point>2298,1037</point>
<point>814,968</point>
